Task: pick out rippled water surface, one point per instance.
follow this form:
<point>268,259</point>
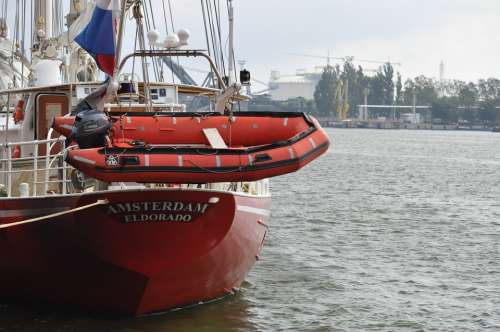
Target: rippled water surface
<point>390,231</point>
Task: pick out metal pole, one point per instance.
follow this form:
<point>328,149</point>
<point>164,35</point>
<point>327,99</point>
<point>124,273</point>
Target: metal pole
<point>9,170</point>
<point>119,40</point>
<point>170,53</point>
<point>231,43</point>
<point>48,19</point>
<point>414,107</point>
<point>365,108</point>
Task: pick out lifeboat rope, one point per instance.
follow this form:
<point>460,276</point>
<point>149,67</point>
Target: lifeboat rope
<point>239,169</point>
<point>54,215</point>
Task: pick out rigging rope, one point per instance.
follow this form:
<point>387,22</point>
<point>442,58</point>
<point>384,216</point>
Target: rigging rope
<point>50,217</point>
<point>207,39</point>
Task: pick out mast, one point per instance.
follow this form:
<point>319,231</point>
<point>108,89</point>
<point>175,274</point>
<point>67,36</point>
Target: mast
<point>43,16</point>
<point>48,18</point>
<point>231,44</point>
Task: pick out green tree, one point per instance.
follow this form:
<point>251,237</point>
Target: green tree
<point>324,95</point>
<point>489,96</point>
<point>425,89</point>
<point>444,109</point>
<point>382,89</point>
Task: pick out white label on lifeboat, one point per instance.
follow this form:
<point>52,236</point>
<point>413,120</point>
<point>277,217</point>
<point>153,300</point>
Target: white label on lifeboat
<point>313,143</point>
<point>112,160</point>
<point>157,211</point>
<point>84,160</point>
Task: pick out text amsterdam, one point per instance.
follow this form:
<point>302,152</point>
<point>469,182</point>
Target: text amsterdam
<point>164,211</point>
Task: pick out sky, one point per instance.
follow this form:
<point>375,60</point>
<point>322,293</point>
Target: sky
<point>465,34</point>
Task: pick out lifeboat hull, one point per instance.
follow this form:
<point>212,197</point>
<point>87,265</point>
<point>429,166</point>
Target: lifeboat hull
<point>181,164</point>
<point>146,251</point>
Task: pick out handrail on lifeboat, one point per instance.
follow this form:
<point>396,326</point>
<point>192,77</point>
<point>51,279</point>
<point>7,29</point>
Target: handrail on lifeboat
<point>182,53</point>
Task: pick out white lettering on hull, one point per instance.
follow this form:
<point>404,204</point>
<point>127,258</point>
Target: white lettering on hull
<point>158,211</point>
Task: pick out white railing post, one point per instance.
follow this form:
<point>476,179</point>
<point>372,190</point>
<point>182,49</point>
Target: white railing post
<point>35,170</point>
<point>63,164</point>
<point>9,171</point>
<point>47,165</point>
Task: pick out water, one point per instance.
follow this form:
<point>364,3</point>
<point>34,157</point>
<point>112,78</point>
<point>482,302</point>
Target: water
<point>390,231</point>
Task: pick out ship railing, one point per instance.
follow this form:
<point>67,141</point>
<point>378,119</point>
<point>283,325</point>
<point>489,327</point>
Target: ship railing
<point>24,174</point>
<point>256,188</point>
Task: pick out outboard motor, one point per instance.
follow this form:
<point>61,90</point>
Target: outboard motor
<point>90,129</point>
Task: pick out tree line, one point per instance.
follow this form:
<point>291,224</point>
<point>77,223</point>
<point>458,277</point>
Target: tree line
<point>450,101</point>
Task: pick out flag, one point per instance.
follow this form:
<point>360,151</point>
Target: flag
<point>96,32</point>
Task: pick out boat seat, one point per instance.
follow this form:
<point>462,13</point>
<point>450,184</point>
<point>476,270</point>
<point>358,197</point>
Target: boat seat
<point>214,138</point>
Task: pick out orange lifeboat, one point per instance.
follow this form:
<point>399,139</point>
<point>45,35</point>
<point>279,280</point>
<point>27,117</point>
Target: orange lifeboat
<point>190,148</point>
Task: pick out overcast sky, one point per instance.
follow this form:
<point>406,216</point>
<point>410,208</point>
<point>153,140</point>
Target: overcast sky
<point>465,34</point>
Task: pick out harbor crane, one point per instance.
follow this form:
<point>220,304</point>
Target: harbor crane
<point>328,58</point>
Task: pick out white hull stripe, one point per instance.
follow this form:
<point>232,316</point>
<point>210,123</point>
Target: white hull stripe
<point>66,126</point>
<point>313,143</point>
<point>250,209</point>
<point>285,122</point>
<point>85,160</point>
<point>146,160</point>
<point>129,119</point>
<point>180,160</point>
<point>292,154</point>
<point>250,160</point>
<point>30,212</point>
<point>174,120</point>
<point>218,162</point>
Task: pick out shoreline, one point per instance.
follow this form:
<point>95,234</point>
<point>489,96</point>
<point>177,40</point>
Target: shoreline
<point>408,126</point>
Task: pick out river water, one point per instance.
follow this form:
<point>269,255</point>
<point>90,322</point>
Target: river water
<point>389,231</point>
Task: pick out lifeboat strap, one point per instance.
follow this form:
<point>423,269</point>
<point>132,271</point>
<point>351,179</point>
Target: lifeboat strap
<point>54,215</point>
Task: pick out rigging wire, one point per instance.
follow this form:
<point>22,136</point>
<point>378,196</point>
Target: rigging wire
<point>212,34</point>
<point>207,40</point>
<point>173,31</point>
<point>166,33</point>
<point>218,27</point>
<point>148,21</point>
<point>231,54</point>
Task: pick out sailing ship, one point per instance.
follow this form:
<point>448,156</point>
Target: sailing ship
<point>135,196</point>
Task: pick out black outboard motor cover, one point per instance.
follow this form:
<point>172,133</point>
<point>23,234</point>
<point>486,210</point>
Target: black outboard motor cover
<point>90,129</point>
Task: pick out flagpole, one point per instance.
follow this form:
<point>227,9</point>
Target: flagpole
<point>119,40</point>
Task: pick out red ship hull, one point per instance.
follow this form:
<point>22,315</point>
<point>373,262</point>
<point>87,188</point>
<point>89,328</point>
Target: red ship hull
<point>145,251</point>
